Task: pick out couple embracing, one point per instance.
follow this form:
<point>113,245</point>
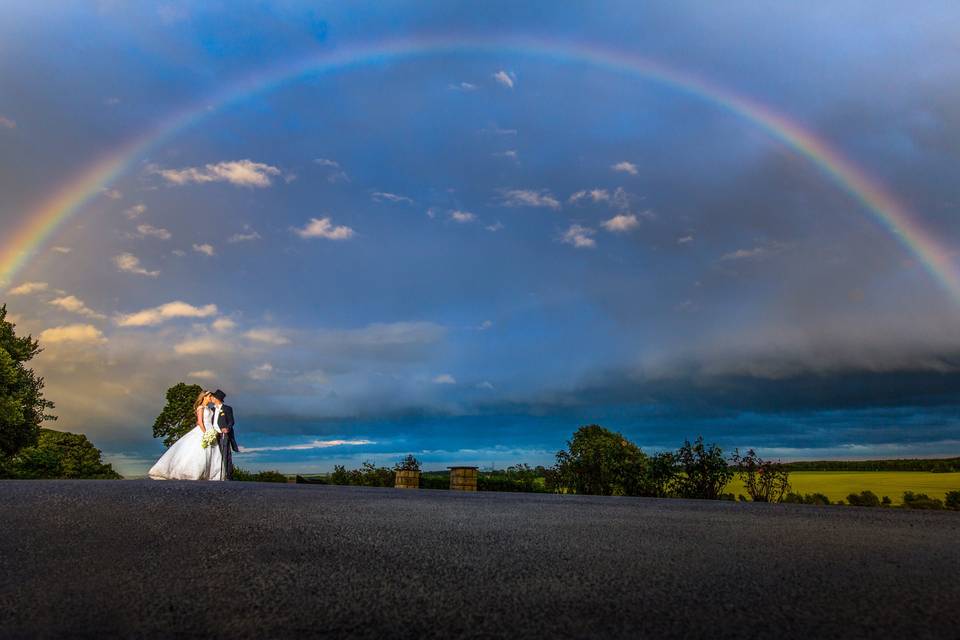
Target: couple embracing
<point>206,451</point>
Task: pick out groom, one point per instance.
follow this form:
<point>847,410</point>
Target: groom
<point>223,418</point>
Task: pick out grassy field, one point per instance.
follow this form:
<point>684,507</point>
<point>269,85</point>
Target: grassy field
<point>837,485</point>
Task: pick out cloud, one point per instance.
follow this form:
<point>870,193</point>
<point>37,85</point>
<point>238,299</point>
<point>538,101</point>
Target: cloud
<point>621,223</point>
<point>242,173</point>
<point>745,254</point>
<point>205,248</point>
<point>7,123</point>
<point>135,211</point>
<point>313,444</point>
<point>528,198</point>
<point>497,131</point>
<point>486,324</point>
<point>595,195</point>
<point>496,226</point>
<point>168,311</point>
<point>509,153</point>
<point>130,263</point>
<point>80,333</point>
<point>203,374</point>
<point>462,217</point>
<point>199,346</point>
<point>243,237</point>
<point>579,237</point>
<point>444,378</point>
<point>223,324</point>
<point>266,336</point>
<point>381,196</point>
<point>625,167</point>
<point>61,249</point>
<point>262,372</point>
<point>111,101</point>
<point>113,194</point>
<point>338,175</point>
<point>149,230</point>
<point>506,79</point>
<point>485,384</point>
<point>323,228</point>
<point>462,86</point>
<point>685,240</point>
<point>27,288</point>
<point>76,305</point>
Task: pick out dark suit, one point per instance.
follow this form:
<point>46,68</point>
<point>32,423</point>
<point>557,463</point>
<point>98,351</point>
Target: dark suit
<point>228,443</point>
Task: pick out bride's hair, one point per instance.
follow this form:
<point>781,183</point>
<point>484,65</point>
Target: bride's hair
<point>199,400</point>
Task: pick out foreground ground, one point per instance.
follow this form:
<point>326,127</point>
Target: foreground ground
<point>243,560</point>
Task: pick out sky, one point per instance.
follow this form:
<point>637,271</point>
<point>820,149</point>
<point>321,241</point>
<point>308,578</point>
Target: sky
<point>453,230</point>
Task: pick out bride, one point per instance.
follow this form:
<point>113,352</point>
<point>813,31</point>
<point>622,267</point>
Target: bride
<point>186,459</point>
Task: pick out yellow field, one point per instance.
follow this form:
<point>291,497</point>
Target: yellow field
<point>837,485</point>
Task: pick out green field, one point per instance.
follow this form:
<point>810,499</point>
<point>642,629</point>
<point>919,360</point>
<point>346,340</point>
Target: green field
<point>837,485</point>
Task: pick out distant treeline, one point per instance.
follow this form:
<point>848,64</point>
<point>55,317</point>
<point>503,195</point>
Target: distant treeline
<point>940,465</point>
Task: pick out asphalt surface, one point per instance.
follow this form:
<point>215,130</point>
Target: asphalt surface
<point>245,560</point>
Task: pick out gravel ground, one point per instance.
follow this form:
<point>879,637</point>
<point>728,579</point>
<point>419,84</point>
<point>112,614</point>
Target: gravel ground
<point>247,560</point>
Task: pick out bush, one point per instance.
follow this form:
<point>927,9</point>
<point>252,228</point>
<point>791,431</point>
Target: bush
<point>953,500</point>
<point>435,480</point>
<point>367,475</point>
<point>242,475</point>
<point>809,498</point>
<point>886,501</point>
<point>704,471</point>
<point>765,480</point>
<point>864,499</point>
<point>913,500</point>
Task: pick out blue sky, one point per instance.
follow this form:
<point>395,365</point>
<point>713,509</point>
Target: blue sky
<point>467,255</point>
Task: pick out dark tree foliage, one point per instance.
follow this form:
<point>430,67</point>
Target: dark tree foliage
<point>177,417</point>
<point>952,500</point>
<point>807,498</point>
<point>600,462</point>
<point>59,454</point>
<point>409,463</point>
<point>913,500</point>
<point>368,475</point>
<point>22,405</point>
<point>864,499</point>
<point>941,465</point>
<point>765,480</point>
<point>242,475</point>
<point>704,471</point>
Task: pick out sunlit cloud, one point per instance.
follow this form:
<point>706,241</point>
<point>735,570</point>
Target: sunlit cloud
<point>384,196</point>
<point>27,288</point>
<point>337,174</point>
<point>243,237</point>
<point>199,346</point>
<point>74,304</point>
<point>579,237</point>
<point>129,263</point>
<point>61,249</point>
<point>7,123</point>
<point>462,217</point>
<point>444,378</point>
<point>528,198</point>
<point>164,312</point>
<point>462,86</point>
<point>313,444</point>
<point>78,333</point>
<point>135,211</point>
<point>506,79</point>
<point>267,336</point>
<point>223,324</point>
<point>242,173</point>
<point>262,372</point>
<point>145,230</point>
<point>621,223</point>
<point>203,374</point>
<point>625,167</point>
<point>324,228</point>
<point>205,248</point>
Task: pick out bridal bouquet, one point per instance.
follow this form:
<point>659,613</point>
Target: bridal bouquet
<point>209,438</point>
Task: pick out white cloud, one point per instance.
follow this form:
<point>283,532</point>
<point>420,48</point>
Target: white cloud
<point>338,175</point>
<point>486,324</point>
<point>685,240</point>
<point>113,194</point>
<point>149,230</point>
<point>7,123</point>
<point>199,346</point>
<point>135,211</point>
<point>496,226</point>
<point>313,444</point>
<point>486,384</point>
<point>223,324</point>
<point>444,378</point>
<point>27,288</point>
<point>205,248</point>
<point>579,237</point>
<point>74,304</point>
<point>242,173</point>
<point>509,153</point>
<point>506,79</point>
<point>130,263</point>
<point>82,333</point>
<point>381,196</point>
<point>462,217</point>
<point>203,374</point>
<point>179,252</point>
<point>595,195</point>
<point>267,336</point>
<point>326,162</point>
<point>323,228</point>
<point>621,223</point>
<point>244,237</point>
<point>497,131</point>
<point>625,167</point>
<point>462,86</point>
<point>528,198</point>
<point>262,372</point>
<point>61,249</point>
<point>168,311</point>
<point>744,254</point>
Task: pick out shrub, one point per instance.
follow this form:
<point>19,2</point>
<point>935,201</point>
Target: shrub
<point>704,471</point>
<point>809,498</point>
<point>600,462</point>
<point>242,475</point>
<point>913,500</point>
<point>953,500</point>
<point>435,480</point>
<point>886,501</point>
<point>864,499</point>
<point>765,480</point>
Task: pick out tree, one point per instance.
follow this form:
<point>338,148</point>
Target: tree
<point>765,480</point>
<point>407,464</point>
<point>704,471</point>
<point>22,405</point>
<point>177,417</point>
<point>59,454</point>
<point>864,499</point>
<point>600,462</point>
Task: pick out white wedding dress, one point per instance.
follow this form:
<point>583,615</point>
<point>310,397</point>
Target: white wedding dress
<point>187,460</point>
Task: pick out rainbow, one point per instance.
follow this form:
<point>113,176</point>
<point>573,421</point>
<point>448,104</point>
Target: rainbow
<point>41,221</point>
